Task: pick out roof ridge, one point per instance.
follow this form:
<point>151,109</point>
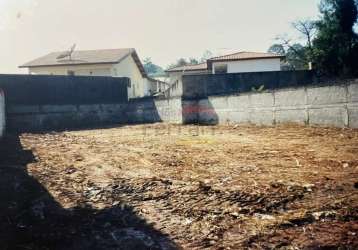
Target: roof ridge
<point>254,55</point>
<point>231,54</point>
<point>240,52</point>
<point>80,50</point>
<point>87,57</point>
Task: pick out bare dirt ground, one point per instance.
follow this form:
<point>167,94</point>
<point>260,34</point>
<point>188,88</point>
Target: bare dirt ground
<point>181,187</point>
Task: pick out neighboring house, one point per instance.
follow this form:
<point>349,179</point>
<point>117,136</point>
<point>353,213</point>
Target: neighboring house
<point>245,62</point>
<point>234,63</point>
<point>176,73</point>
<point>108,62</point>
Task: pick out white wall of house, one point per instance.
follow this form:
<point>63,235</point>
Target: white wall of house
<point>80,70</point>
<point>128,68</point>
<point>254,65</point>
<point>140,86</point>
<point>176,76</point>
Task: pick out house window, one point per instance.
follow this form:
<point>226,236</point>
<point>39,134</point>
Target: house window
<point>221,69</point>
<point>70,72</point>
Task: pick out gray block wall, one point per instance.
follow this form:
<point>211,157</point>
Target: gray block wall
<point>62,90</point>
<point>204,85</point>
<point>22,118</point>
<point>335,105</point>
<point>2,113</point>
<point>150,110</point>
<point>329,105</point>
<point>44,102</point>
<point>170,110</point>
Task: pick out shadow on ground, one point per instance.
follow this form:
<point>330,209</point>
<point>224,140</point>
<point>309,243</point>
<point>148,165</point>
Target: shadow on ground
<point>30,218</point>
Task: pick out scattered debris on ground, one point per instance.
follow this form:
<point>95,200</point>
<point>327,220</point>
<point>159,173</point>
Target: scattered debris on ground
<point>181,187</point>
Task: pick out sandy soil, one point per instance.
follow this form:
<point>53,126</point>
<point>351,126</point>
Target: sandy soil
<point>189,187</point>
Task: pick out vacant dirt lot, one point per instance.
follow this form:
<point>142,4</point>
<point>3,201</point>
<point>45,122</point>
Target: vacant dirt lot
<point>165,187</point>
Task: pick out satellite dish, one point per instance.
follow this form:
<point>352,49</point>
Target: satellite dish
<point>73,48</point>
<point>67,53</point>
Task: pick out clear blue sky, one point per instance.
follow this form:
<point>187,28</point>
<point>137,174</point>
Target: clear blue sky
<point>161,29</point>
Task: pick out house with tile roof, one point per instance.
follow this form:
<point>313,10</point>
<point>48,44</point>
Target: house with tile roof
<point>105,62</point>
<point>239,62</point>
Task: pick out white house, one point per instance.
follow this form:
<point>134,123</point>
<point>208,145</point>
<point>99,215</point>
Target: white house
<point>107,62</point>
<point>245,62</point>
<point>234,63</point>
<point>176,73</point>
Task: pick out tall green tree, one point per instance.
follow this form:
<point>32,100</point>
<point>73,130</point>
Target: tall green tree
<point>298,55</point>
<point>335,47</point>
<point>307,29</point>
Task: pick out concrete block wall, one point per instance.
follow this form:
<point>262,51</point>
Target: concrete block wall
<point>22,118</point>
<point>32,118</point>
<point>328,105</point>
<point>150,110</point>
<point>190,111</point>
<point>204,85</point>
<point>62,90</point>
<point>2,113</point>
<point>44,102</point>
<point>334,105</point>
<point>170,110</point>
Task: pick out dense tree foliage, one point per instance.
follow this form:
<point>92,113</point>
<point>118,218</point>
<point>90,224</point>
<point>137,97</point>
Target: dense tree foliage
<point>335,48</point>
<point>296,55</point>
<point>190,61</point>
<point>151,68</point>
<point>330,43</point>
